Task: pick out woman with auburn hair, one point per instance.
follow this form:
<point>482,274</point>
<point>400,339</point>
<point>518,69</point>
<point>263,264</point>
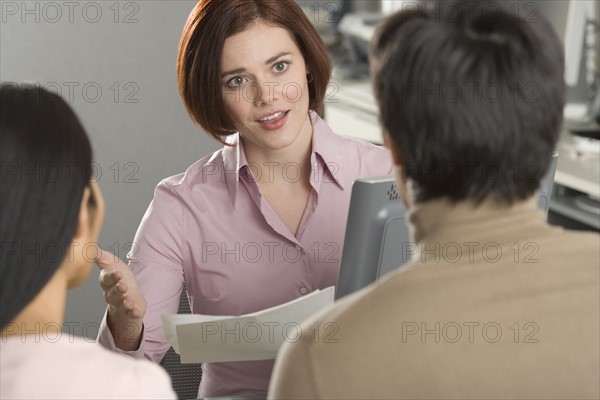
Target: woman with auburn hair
<point>259,222</point>
<point>51,215</point>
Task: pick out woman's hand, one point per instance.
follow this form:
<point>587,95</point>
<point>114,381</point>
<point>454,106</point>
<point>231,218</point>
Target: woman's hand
<point>126,304</point>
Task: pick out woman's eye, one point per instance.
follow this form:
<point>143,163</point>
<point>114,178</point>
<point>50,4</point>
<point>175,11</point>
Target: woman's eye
<point>236,81</point>
<point>280,66</point>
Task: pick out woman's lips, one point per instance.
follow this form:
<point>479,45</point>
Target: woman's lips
<point>274,124</point>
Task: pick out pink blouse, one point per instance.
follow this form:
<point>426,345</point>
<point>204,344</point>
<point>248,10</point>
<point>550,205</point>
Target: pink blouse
<point>211,228</point>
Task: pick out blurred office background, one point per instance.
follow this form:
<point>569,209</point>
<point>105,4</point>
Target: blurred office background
<point>114,61</point>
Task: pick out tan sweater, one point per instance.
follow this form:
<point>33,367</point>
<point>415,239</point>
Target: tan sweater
<point>497,305</point>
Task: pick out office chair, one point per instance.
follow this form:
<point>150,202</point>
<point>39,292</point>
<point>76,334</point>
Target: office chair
<point>185,378</point>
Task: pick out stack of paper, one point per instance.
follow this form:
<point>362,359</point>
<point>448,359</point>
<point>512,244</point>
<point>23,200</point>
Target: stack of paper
<point>256,336</point>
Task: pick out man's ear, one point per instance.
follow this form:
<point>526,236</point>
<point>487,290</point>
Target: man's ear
<point>405,189</point>
<point>389,143</point>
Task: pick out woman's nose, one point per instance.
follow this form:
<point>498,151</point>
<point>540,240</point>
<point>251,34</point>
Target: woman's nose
<point>265,92</point>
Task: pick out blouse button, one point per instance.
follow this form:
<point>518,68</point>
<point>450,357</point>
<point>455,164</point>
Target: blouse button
<point>303,290</point>
<point>298,247</point>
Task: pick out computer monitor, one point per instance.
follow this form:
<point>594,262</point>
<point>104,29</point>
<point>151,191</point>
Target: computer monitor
<point>569,18</point>
<point>377,239</point>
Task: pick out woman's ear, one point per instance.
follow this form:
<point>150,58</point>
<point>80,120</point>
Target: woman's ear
<point>83,222</point>
<point>91,215</point>
<point>89,223</point>
<point>96,210</point>
<point>77,267</point>
<point>389,143</point>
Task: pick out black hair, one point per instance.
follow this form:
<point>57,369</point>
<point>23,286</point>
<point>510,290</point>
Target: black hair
<point>472,94</point>
<point>45,165</point>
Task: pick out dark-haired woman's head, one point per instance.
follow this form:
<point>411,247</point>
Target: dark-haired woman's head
<point>206,54</point>
<point>51,213</point>
<point>471,95</point>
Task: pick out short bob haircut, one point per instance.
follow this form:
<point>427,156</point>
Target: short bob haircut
<point>209,24</point>
<point>473,103</point>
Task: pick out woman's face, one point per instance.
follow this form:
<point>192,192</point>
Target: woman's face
<point>264,87</point>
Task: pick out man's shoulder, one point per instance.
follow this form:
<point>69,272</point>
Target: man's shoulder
<point>590,240</point>
<point>348,317</point>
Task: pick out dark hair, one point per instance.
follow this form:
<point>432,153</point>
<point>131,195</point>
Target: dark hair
<point>45,166</point>
<point>472,98</point>
<point>209,24</point>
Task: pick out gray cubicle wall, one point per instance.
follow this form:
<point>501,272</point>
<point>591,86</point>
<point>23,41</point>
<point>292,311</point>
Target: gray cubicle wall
<point>115,63</point>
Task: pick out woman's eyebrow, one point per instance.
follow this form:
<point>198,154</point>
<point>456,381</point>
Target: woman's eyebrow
<point>272,59</point>
<point>269,61</point>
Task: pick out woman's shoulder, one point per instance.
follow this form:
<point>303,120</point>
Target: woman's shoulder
<point>204,175</point>
<point>328,138</point>
<point>361,146</point>
<point>199,172</point>
<point>71,367</point>
<point>358,157</point>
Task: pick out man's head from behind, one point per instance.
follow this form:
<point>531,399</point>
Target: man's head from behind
<point>471,95</point>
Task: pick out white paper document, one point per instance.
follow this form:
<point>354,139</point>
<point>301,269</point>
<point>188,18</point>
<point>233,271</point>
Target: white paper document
<point>257,336</point>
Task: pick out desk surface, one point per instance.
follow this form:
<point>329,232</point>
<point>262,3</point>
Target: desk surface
<point>577,171</point>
